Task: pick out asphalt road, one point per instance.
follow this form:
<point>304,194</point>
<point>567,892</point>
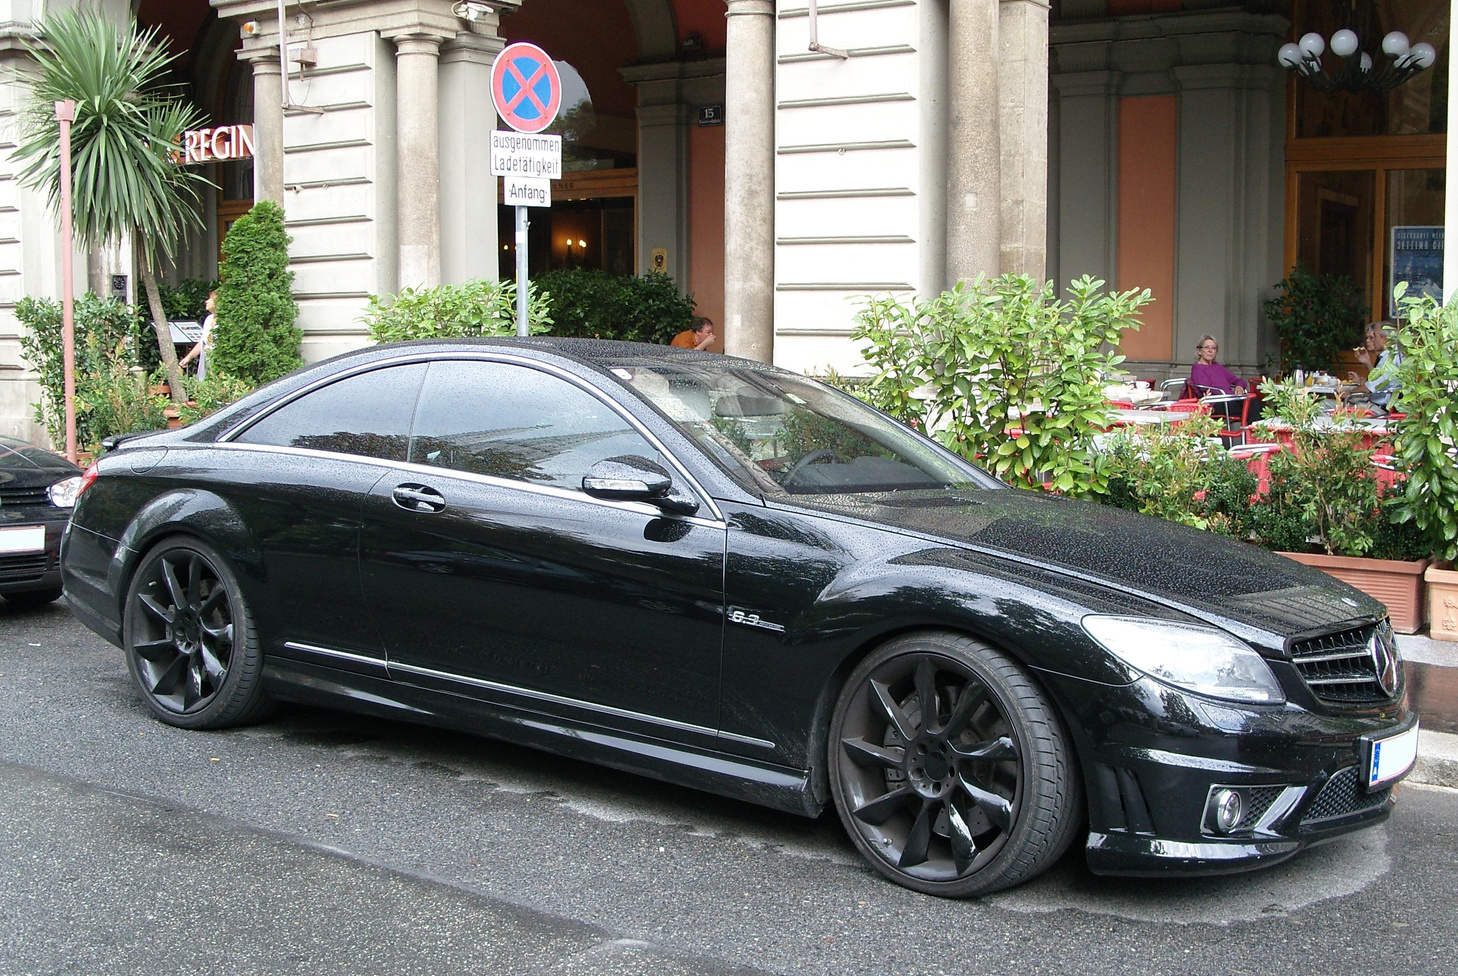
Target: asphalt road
<point>323,843</point>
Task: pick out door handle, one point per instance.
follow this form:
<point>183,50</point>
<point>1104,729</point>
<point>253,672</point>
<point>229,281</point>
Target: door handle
<point>418,498</point>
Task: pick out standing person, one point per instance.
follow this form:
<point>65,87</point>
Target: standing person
<point>199,350</point>
<point>698,337</point>
<point>1380,390</point>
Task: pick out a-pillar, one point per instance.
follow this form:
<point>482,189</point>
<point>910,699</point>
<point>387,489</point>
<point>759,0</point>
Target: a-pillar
<point>974,158</point>
<point>417,148</point>
<point>749,181</point>
<point>468,239</point>
<point>268,141</point>
<point>1022,85</point>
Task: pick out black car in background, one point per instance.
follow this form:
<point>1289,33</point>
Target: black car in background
<point>37,490</point>
<point>725,575</point>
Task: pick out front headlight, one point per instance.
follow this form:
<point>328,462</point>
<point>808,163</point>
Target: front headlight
<point>63,493</point>
<point>1199,659</point>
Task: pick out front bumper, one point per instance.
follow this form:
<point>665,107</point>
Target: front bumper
<point>29,571</point>
<point>1153,758</point>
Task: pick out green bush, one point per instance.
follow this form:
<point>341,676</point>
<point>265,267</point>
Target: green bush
<point>475,308</point>
<point>1426,441</point>
<point>1180,475</point>
<point>1315,317</point>
<point>590,304</point>
<point>105,351</point>
<point>1004,373</point>
<point>214,392</point>
<point>256,339</point>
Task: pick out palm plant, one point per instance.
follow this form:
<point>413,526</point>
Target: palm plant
<point>128,121</point>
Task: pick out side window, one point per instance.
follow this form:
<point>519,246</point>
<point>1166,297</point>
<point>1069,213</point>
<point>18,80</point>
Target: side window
<point>366,414</point>
<point>515,422</point>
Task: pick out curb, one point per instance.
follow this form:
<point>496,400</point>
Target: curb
<point>1437,761</point>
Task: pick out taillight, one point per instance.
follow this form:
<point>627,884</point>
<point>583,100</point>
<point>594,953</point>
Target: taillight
<point>87,478</point>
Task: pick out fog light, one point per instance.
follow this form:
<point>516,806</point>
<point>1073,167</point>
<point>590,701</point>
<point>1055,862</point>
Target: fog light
<point>1229,808</point>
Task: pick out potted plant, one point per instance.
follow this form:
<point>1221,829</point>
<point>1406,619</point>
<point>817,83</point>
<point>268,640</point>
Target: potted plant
<point>1316,318</point>
<point>1327,507</point>
<point>1426,433</point>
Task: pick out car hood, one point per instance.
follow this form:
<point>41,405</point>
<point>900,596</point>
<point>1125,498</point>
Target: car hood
<point>1207,575</point>
<point>27,466</point>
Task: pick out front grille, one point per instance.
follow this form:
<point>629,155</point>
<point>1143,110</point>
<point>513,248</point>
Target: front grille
<point>1343,796</point>
<point>28,566</point>
<point>16,497</point>
<point>1341,669</point>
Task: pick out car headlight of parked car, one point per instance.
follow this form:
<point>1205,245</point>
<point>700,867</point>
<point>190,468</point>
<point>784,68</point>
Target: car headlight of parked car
<point>1203,660</point>
<point>63,493</point>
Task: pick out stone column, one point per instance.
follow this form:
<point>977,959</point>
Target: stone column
<point>663,201</point>
<point>974,159</point>
<point>1022,85</point>
<point>268,143</point>
<point>749,181</point>
<point>417,149</point>
<point>468,230</point>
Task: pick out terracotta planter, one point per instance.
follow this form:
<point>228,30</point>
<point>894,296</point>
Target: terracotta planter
<point>1443,601</point>
<point>1397,583</point>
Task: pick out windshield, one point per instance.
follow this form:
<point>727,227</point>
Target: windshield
<point>780,432</point>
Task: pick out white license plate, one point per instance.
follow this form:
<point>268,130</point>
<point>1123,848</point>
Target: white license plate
<point>25,538</point>
<point>1391,757</point>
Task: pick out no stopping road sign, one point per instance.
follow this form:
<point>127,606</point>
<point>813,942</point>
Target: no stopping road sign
<point>525,87</point>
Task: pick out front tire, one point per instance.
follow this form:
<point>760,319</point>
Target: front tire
<point>189,639</point>
<point>950,769</point>
<point>34,598</point>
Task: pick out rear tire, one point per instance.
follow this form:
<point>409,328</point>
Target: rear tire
<point>950,769</point>
<point>189,639</point>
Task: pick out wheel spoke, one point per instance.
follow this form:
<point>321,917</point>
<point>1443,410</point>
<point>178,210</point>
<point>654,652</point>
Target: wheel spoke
<point>893,711</point>
<point>995,749</point>
<point>213,599</point>
<point>194,579</point>
<point>166,683</point>
<point>998,810</point>
<point>881,809</point>
<point>213,668</point>
<point>174,585</point>
<point>868,755</point>
<point>973,694</point>
<point>156,608</point>
<point>964,848</point>
<point>192,690</point>
<point>155,650</point>
<point>919,840</point>
<point>926,693</point>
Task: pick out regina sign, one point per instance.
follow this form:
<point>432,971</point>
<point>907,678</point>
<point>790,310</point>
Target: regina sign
<point>220,144</point>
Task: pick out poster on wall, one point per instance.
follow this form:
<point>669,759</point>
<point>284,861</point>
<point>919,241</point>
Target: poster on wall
<point>1417,258</point>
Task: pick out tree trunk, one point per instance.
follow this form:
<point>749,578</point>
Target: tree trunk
<point>164,331</point>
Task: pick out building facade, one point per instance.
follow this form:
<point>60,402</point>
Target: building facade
<point>784,160</point>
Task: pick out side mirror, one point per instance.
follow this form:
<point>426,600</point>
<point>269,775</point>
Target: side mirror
<point>631,478</point>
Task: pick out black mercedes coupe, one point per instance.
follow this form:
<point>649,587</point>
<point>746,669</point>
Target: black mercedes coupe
<point>725,575</point>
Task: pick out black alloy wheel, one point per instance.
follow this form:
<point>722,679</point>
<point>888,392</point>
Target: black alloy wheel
<point>189,638</point>
<point>949,768</point>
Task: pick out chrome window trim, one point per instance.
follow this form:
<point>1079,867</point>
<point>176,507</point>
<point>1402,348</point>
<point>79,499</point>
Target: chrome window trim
<point>548,697</point>
<point>228,436</point>
<point>564,494</point>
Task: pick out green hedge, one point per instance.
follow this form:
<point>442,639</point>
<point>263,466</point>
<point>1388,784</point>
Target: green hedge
<point>594,304</point>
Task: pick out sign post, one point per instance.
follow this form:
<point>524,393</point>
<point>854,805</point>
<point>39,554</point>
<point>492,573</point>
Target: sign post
<point>527,92</point>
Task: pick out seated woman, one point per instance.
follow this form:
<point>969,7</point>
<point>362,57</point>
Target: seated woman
<point>1209,377</point>
<point>1379,390</point>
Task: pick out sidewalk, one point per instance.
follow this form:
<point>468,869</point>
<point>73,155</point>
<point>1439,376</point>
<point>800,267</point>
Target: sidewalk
<point>1432,673</point>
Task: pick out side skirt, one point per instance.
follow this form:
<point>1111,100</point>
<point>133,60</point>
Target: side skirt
<point>765,784</point>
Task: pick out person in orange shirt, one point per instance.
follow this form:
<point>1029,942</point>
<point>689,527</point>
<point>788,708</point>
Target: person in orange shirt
<point>698,337</point>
